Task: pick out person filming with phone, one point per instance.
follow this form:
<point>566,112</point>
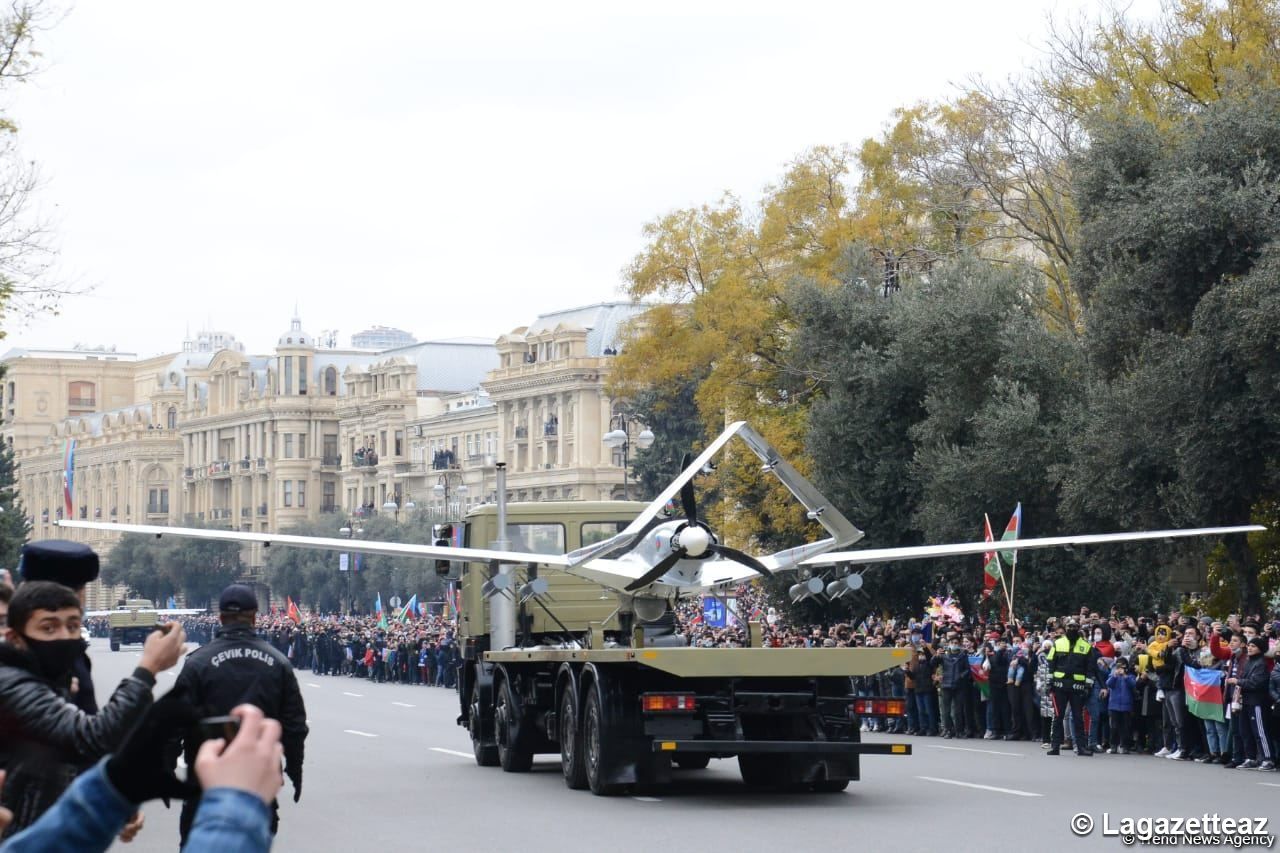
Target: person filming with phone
<point>238,667</point>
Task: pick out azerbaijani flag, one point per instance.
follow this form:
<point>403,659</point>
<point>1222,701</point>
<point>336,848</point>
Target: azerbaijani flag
<point>410,609</point>
<point>68,472</point>
<point>1204,692</point>
<point>1012,531</point>
<point>292,611</point>
<point>377,604</point>
<point>980,676</point>
<point>990,561</point>
<point>382,623</point>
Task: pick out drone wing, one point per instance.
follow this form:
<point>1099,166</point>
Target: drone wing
<point>920,552</point>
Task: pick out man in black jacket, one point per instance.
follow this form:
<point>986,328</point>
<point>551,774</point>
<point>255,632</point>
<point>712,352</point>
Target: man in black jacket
<point>238,667</point>
<point>45,741</point>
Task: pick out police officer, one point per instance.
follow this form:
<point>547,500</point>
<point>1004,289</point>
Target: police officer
<point>238,667</point>
<point>1072,662</point>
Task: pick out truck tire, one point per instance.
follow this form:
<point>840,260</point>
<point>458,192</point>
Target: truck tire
<point>486,753</point>
<point>831,786</point>
<point>598,742</point>
<point>115,642</point>
<point>571,763</point>
<point>693,761</point>
<point>513,757</point>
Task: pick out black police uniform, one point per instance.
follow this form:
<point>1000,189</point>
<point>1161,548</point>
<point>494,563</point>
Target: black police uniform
<point>238,667</point>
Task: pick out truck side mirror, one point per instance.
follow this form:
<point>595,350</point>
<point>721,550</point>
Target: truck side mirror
<point>443,567</point>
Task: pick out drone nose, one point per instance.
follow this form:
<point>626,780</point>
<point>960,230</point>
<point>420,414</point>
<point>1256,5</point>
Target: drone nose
<point>694,541</point>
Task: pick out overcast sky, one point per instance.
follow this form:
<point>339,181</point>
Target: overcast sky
<point>446,170</point>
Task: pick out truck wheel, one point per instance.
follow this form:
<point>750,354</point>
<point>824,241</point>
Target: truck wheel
<point>762,771</point>
<point>115,642</point>
<point>830,786</point>
<point>597,740</point>
<point>693,761</point>
<point>571,763</point>
<point>506,731</point>
<point>486,753</point>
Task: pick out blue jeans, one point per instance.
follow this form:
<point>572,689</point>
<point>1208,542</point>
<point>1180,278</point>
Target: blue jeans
<point>926,719</point>
<point>1215,733</point>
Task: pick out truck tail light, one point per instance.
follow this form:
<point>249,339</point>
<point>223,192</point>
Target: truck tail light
<point>668,702</point>
<point>880,707</point>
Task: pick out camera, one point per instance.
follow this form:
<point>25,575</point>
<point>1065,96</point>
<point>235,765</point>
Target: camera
<point>225,727</point>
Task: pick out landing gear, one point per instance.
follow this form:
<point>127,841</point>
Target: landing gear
<point>513,757</point>
<point>571,762</point>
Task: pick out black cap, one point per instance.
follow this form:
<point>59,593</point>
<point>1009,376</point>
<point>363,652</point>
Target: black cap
<point>62,561</point>
<point>238,598</point>
<point>1260,642</point>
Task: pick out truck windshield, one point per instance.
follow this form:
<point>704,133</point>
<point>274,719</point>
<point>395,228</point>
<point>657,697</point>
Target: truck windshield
<point>536,538</point>
<point>598,531</point>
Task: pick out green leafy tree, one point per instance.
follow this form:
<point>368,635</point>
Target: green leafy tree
<point>14,525</point>
<point>1181,264</point>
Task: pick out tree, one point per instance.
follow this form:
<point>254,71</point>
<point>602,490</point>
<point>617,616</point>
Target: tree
<point>14,524</point>
<point>26,250</point>
<point>942,403</point>
<point>1180,259</point>
<point>156,569</point>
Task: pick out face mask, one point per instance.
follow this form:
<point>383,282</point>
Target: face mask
<point>55,658</point>
<point>1073,634</point>
<point>1097,636</point>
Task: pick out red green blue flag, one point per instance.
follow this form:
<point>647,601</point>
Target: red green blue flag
<point>990,561</point>
<point>1204,692</point>
<point>981,677</point>
<point>1012,531</point>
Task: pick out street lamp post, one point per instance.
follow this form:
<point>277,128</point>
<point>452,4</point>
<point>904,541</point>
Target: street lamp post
<point>442,488</point>
<point>349,532</point>
<point>619,437</point>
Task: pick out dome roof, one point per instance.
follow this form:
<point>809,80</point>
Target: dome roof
<point>296,337</point>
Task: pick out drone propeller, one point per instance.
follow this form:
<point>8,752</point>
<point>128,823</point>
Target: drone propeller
<point>700,542</point>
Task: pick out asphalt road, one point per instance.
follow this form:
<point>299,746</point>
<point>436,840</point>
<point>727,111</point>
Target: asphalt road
<point>387,766</point>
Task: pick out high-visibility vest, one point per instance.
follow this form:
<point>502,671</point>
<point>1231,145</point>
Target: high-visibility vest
<point>1068,659</point>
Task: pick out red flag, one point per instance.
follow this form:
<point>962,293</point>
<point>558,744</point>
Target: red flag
<point>990,562</point>
<point>293,611</point>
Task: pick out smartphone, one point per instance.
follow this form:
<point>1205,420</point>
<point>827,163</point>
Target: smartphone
<point>225,727</point>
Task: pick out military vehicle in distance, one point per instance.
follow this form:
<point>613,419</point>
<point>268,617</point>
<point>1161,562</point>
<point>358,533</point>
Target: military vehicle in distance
<point>132,622</point>
<point>621,696</point>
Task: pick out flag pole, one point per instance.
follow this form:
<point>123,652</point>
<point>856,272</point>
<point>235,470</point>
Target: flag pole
<point>1007,599</point>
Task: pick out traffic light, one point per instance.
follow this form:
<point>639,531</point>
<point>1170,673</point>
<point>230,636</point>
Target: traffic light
<point>442,537</point>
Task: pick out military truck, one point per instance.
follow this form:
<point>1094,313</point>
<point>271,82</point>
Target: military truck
<point>132,622</point>
<point>624,700</point>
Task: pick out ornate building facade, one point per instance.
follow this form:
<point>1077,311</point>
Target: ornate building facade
<point>216,436</point>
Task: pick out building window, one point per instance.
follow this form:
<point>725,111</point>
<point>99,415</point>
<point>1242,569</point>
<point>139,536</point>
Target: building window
<point>302,374</point>
<point>158,501</point>
<point>302,493</point>
<point>288,374</point>
<point>399,443</point>
<point>288,445</point>
<point>81,395</point>
<point>288,492</point>
<point>328,495</point>
<point>302,445</point>
<point>171,418</point>
<point>331,381</point>
<point>382,443</point>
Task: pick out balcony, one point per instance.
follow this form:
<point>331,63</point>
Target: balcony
<point>328,507</point>
<point>220,469</point>
<point>245,465</point>
<point>221,513</point>
<point>161,509</point>
<point>188,473</point>
<point>551,428</point>
<point>367,460</point>
<point>262,509</point>
<point>522,433</point>
<point>330,461</point>
<point>245,512</point>
<point>261,463</point>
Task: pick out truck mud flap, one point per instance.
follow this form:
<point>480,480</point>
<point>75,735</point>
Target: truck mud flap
<point>791,747</point>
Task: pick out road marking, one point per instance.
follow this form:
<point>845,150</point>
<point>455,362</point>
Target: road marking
<point>646,799</point>
<point>971,749</point>
<point>452,752</point>
<point>362,734</point>
<point>357,695</point>
<point>404,704</point>
<point>980,787</point>
<point>1270,784</point>
<point>312,684</point>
